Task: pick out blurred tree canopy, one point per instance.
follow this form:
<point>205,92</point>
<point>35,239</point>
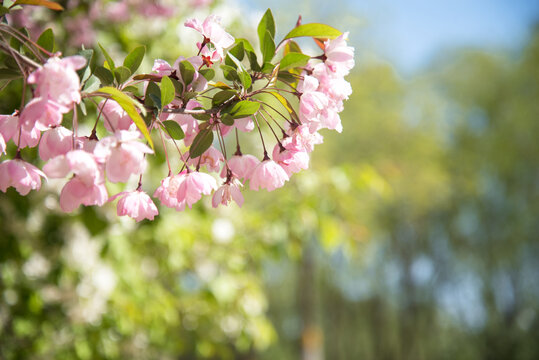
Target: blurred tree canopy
<point>414,236</point>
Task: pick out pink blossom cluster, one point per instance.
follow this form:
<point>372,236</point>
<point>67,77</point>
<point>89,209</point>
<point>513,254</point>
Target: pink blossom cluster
<point>89,162</point>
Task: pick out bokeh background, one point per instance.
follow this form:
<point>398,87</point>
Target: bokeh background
<point>414,235</point>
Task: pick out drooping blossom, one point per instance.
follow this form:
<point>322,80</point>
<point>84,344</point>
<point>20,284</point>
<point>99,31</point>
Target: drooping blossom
<point>312,102</point>
<point>87,187</point>
<point>194,185</point>
<point>242,166</point>
<point>268,175</point>
<point>212,31</point>
<point>211,158</point>
<point>302,136</point>
<point>291,156</point>
<point>10,130</point>
<point>77,192</point>
<point>339,56</point>
<point>41,114</point>
<point>58,81</point>
<point>136,204</point>
<point>228,192</point>
<point>122,154</point>
<point>167,192</point>
<point>54,142</point>
<point>20,175</point>
<point>115,117</point>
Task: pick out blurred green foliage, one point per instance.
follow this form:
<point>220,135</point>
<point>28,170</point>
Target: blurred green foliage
<point>413,236</point>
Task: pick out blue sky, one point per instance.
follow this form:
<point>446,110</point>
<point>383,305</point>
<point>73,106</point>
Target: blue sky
<point>411,33</point>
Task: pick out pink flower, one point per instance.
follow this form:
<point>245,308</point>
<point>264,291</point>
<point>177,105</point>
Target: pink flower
<point>77,192</point>
<point>123,155</point>
<point>54,142</point>
<point>335,87</point>
<point>244,124</point>
<point>135,204</point>
<point>194,185</point>
<point>115,117</point>
<point>58,81</point>
<point>304,137</point>
<point>242,166</point>
<point>268,175</point>
<point>212,32</point>
<point>10,129</point>
<point>41,114</point>
<point>79,162</point>
<point>168,190</point>
<point>339,56</point>
<point>292,157</point>
<point>211,158</point>
<point>20,175</point>
<point>312,102</point>
<point>226,193</point>
<point>162,68</point>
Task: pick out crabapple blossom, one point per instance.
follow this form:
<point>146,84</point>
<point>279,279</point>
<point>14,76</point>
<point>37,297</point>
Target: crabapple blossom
<point>226,193</point>
<point>2,145</point>
<point>115,117</point>
<point>78,192</point>
<point>211,158</point>
<point>268,175</point>
<point>304,137</point>
<point>79,162</point>
<point>212,31</point>
<point>41,114</point>
<point>123,155</point>
<point>168,190</point>
<point>58,81</point>
<point>339,56</point>
<point>10,130</point>
<point>194,185</point>
<point>291,156</point>
<point>54,142</point>
<point>242,166</point>
<point>20,175</point>
<point>136,204</point>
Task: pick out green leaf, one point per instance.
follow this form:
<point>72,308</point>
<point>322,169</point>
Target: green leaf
<point>209,74</point>
<point>244,76</point>
<point>202,117</point>
<point>3,10</point>
<point>230,73</point>
<point>121,73</point>
<point>268,47</point>
<point>251,55</point>
<point>294,59</point>
<point>46,40</point>
<point>266,24</point>
<point>187,72</point>
<point>104,74</point>
<point>223,96</point>
<point>152,89</point>
<point>201,143</point>
<point>48,4</point>
<point>292,46</point>
<point>168,92</point>
<point>156,100</point>
<point>107,57</point>
<point>314,30</point>
<point>227,119</point>
<point>134,58</point>
<point>237,51</point>
<point>130,106</point>
<point>174,129</point>
<point>131,89</point>
<point>88,54</point>
<point>268,68</point>
<point>177,85</point>
<point>9,74</point>
<point>242,109</point>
